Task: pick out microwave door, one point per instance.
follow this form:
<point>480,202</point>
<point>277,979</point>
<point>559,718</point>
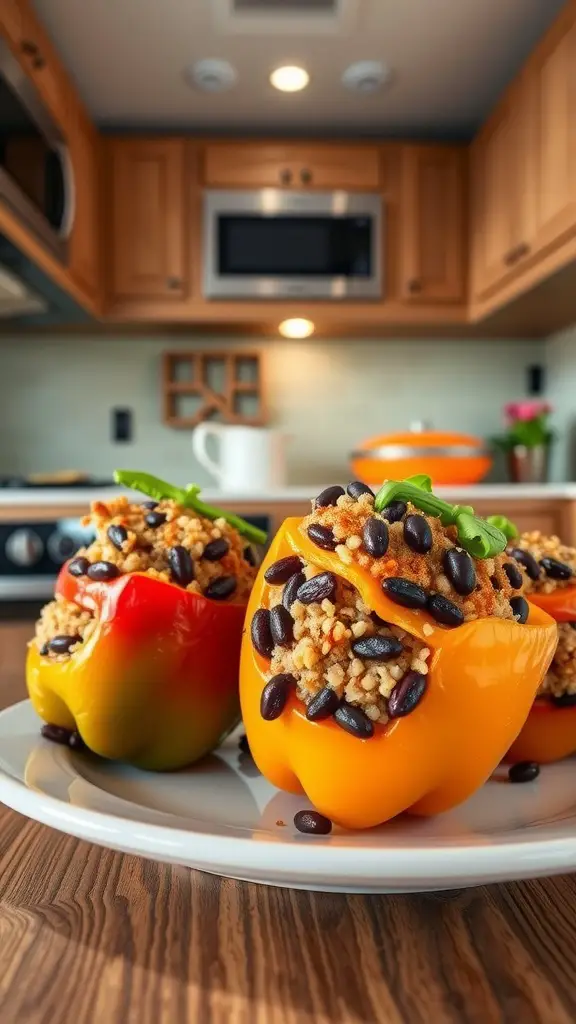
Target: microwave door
<point>35,173</point>
<point>273,243</point>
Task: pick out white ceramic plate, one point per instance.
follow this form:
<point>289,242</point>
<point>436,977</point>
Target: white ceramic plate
<point>223,817</point>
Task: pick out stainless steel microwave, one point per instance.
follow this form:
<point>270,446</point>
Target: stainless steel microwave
<point>36,179</point>
<point>274,243</point>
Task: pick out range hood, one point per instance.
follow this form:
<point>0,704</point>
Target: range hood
<point>28,296</point>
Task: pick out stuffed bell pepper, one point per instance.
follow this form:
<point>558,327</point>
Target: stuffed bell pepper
<point>391,656</point>
<point>549,568</point>
<point>137,656</point>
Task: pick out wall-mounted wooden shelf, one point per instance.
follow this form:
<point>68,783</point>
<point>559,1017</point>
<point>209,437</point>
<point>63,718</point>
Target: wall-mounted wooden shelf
<point>222,386</point>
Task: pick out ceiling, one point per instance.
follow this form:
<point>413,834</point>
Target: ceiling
<point>450,61</point>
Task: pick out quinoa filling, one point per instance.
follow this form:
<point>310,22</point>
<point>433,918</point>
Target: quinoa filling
<point>334,652</point>
<point>548,565</point>
<point>164,540</point>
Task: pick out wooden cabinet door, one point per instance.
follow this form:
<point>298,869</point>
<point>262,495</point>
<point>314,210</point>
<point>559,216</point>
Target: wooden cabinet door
<point>433,224</point>
<point>148,211</point>
<point>85,241</point>
<point>552,83</point>
<point>291,165</point>
<point>502,193</point>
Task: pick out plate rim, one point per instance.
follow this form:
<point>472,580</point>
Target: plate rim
<point>291,859</point>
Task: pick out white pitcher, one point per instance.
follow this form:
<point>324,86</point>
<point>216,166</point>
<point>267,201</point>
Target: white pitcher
<point>249,460</point>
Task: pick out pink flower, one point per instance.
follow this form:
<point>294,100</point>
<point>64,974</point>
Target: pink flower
<point>526,410</point>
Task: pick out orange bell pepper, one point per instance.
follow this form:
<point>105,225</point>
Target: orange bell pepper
<point>156,683</point>
<point>482,682</point>
<point>549,733</point>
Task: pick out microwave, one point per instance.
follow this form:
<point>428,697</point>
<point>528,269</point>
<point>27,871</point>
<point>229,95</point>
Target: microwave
<point>36,179</point>
<point>275,243</point>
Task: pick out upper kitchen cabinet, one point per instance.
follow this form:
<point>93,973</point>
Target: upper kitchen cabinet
<point>291,165</point>
<point>433,240</point>
<point>85,254</point>
<point>502,192</point>
<point>148,210</point>
<point>551,83</point>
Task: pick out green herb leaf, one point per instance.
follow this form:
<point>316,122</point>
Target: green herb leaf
<point>480,538</point>
<point>508,528</point>
<point>420,480</point>
<point>159,489</point>
<point>407,491</point>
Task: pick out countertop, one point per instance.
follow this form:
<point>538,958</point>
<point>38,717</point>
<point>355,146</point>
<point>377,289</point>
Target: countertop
<point>53,496</point>
<point>92,936</point>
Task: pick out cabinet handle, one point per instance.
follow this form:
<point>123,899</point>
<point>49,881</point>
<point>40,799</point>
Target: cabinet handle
<point>28,47</point>
<point>414,286</point>
<point>38,63</point>
<point>173,283</point>
<point>305,176</point>
<point>516,254</point>
<point>286,176</point>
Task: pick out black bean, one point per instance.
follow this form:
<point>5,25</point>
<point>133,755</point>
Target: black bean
<point>149,504</point>
<point>395,511</point>
<point>444,611</point>
<point>572,625</point>
<point>375,537</point>
<point>154,519</point>
<point>281,625</point>
<point>44,650</point>
<point>117,535</point>
<point>495,583</point>
<point>261,633</point>
<point>354,721</point>
<point>216,549</point>
<point>528,561</point>
<point>329,496</point>
<point>356,488</point>
<point>78,566</point>
<point>406,694</point>
<point>564,700</point>
<point>323,704</point>
<point>417,534</point>
<point>520,608</point>
<point>380,648</point>
<point>290,592</point>
<point>556,570</point>
<point>514,575</point>
<point>275,694</point>
<point>322,537</point>
<point>56,733</point>
<point>61,644</point>
<point>316,589</point>
<point>312,823</point>
<point>181,565</point>
<point>460,570</point>
<point>249,555</point>
<point>404,592</point>
<point>103,571</point>
<point>524,771</point>
<point>221,588</point>
<point>282,570</point>
<point>243,744</point>
<point>76,742</point>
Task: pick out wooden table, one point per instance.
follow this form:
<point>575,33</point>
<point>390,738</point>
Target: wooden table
<point>88,936</point>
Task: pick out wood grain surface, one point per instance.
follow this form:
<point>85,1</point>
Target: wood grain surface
<point>88,936</point>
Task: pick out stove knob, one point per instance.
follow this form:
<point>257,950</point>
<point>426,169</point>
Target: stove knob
<point>61,547</point>
<point>24,548</point>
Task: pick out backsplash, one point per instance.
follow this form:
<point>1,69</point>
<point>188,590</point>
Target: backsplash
<point>561,364</point>
<point>56,397</point>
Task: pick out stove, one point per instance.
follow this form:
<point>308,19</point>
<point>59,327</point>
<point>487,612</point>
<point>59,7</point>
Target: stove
<point>27,483</point>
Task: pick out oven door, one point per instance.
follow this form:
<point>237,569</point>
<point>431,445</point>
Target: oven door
<point>36,179</point>
<point>273,243</point>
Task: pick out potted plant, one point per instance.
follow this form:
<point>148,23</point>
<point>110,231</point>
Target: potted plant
<point>527,441</point>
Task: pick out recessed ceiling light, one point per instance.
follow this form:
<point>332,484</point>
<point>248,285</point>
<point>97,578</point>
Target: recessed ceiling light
<point>289,78</point>
<point>296,327</point>
<point>366,76</point>
<point>211,75</point>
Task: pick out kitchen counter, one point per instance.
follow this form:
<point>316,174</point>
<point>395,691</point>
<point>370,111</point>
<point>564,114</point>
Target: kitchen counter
<point>92,935</point>
<point>53,496</point>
